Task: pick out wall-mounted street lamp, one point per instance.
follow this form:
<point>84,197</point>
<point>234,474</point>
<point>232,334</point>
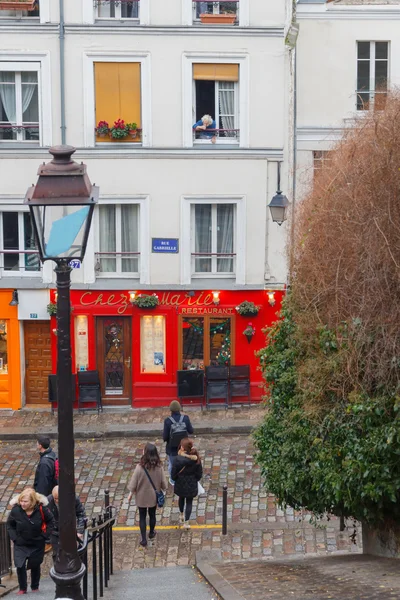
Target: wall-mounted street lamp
<point>61,205</point>
<point>216,297</point>
<point>132,296</point>
<point>271,298</point>
<point>14,299</point>
<point>279,204</point>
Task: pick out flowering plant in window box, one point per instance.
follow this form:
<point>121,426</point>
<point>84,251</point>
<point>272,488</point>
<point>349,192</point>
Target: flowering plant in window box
<point>52,309</point>
<point>248,309</point>
<point>146,301</point>
<point>17,4</point>
<point>102,128</point>
<point>132,129</point>
<point>119,130</point>
<point>249,332</point>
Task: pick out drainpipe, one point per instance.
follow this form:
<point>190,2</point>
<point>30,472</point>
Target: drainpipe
<point>62,71</point>
<point>294,183</point>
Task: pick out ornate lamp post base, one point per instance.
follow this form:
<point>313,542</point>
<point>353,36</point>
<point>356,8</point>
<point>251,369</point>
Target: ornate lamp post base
<point>68,585</point>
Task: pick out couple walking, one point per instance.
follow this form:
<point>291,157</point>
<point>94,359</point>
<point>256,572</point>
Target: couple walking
<point>149,483</point>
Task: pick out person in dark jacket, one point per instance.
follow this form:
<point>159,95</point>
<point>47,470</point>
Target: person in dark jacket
<point>45,476</point>
<point>186,472</point>
<point>28,524</point>
<point>172,449</point>
<point>80,519</point>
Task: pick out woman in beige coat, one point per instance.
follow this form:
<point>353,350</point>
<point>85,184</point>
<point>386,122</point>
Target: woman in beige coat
<point>140,485</point>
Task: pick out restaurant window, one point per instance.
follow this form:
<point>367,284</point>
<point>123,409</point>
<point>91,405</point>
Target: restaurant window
<point>118,234</point>
<point>3,348</point>
<point>117,9</point>
<point>152,344</point>
<point>213,239</point>
<point>19,106</point>
<point>118,97</point>
<point>206,341</point>
<point>372,75</point>
<point>18,250</point>
<point>216,95</point>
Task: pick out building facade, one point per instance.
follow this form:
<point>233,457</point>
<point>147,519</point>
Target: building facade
<point>183,210</point>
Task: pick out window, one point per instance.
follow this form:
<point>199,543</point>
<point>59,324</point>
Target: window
<point>3,348</point>
<point>216,12</point>
<point>118,96</point>
<point>321,157</point>
<point>19,105</point>
<point>206,341</point>
<point>213,239</point>
<point>372,75</point>
<point>118,240</point>
<point>216,95</point>
<point>31,9</point>
<point>18,252</point>
<point>152,344</point>
<point>117,9</point>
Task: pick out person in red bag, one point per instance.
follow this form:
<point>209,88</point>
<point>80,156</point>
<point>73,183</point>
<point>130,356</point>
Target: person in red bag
<point>28,524</point>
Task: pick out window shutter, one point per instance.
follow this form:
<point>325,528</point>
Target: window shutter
<point>118,95</point>
<point>220,72</point>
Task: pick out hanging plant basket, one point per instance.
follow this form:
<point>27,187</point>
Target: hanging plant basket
<point>249,336</point>
<point>248,309</point>
<point>15,5</point>
<point>221,19</point>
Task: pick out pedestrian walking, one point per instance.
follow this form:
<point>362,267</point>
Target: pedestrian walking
<point>80,519</point>
<point>28,524</point>
<point>176,428</point>
<point>148,480</point>
<point>187,471</point>
<point>46,476</point>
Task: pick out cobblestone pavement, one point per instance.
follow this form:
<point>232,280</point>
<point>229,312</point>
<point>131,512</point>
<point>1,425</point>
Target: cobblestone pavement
<point>338,577</point>
<point>41,419</point>
<point>258,527</point>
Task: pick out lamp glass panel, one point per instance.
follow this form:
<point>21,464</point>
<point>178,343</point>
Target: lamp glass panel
<point>278,213</point>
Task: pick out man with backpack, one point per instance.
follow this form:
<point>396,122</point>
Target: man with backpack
<point>176,427</point>
<point>46,476</point>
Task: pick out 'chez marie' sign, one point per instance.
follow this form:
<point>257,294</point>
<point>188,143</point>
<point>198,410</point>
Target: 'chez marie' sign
<point>189,305</point>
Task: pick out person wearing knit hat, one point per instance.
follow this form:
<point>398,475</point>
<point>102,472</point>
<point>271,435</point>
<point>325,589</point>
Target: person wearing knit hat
<point>176,427</point>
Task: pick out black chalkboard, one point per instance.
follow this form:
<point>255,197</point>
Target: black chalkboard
<point>190,383</point>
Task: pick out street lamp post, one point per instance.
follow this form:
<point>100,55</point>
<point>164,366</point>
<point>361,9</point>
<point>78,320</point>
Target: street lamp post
<point>61,205</point>
<point>279,204</point>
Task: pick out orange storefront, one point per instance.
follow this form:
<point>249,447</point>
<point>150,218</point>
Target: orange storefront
<point>10,363</point>
<point>139,351</point>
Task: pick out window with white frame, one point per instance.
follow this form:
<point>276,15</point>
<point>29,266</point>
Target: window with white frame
<point>372,75</point>
<point>30,9</point>
<point>18,250</point>
<point>19,103</point>
<point>216,95</point>
<point>216,12</point>
<point>117,9</point>
<point>213,243</point>
<point>118,240</point>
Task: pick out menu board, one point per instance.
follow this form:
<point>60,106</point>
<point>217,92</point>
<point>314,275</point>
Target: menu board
<point>152,344</point>
<point>81,343</point>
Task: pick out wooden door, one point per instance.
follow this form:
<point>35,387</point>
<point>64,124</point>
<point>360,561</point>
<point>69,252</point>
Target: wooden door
<point>114,359</point>
<point>37,361</point>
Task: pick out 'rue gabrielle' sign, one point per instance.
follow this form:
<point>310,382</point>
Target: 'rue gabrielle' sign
<point>167,245</point>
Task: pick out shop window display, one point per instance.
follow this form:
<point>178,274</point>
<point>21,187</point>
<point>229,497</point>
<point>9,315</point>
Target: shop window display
<point>3,348</point>
<point>206,341</point>
<point>152,350</point>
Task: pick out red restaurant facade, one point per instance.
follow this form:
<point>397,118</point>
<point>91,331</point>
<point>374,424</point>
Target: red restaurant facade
<point>139,351</point>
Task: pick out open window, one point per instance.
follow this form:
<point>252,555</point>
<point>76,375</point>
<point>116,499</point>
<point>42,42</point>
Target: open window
<point>216,95</point>
<point>216,13</point>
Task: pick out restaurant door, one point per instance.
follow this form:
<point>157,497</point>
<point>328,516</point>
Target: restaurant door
<point>114,357</point>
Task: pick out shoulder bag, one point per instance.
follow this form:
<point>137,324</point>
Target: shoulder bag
<point>160,496</point>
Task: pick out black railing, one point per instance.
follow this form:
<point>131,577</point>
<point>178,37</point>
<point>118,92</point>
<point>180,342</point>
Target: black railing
<point>5,552</point>
<point>214,135</point>
<point>100,537</point>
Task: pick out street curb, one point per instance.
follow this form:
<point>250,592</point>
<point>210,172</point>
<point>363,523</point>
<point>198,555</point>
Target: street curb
<point>126,431</point>
<point>220,585</point>
<point>12,582</point>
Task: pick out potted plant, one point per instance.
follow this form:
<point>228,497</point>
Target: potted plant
<point>248,309</point>
<point>17,4</point>
<point>249,332</point>
<point>132,129</point>
<point>52,309</point>
<point>146,301</point>
<point>119,130</point>
<point>102,128</point>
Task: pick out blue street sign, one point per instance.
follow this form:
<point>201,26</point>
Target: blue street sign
<point>167,245</point>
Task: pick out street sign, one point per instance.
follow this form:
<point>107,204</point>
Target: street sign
<point>165,245</point>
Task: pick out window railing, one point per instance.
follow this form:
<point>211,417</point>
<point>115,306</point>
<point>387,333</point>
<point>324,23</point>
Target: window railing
<point>216,13</point>
<point>216,136</point>
<point>25,132</point>
<point>22,261</point>
<point>117,9</point>
<point>123,264</point>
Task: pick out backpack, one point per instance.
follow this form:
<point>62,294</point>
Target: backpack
<point>177,432</point>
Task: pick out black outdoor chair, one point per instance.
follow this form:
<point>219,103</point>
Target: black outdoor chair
<point>89,391</point>
<point>52,386</point>
<point>217,386</point>
<point>239,382</point>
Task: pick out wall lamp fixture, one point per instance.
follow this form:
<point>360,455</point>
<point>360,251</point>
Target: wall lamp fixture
<point>216,299</point>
